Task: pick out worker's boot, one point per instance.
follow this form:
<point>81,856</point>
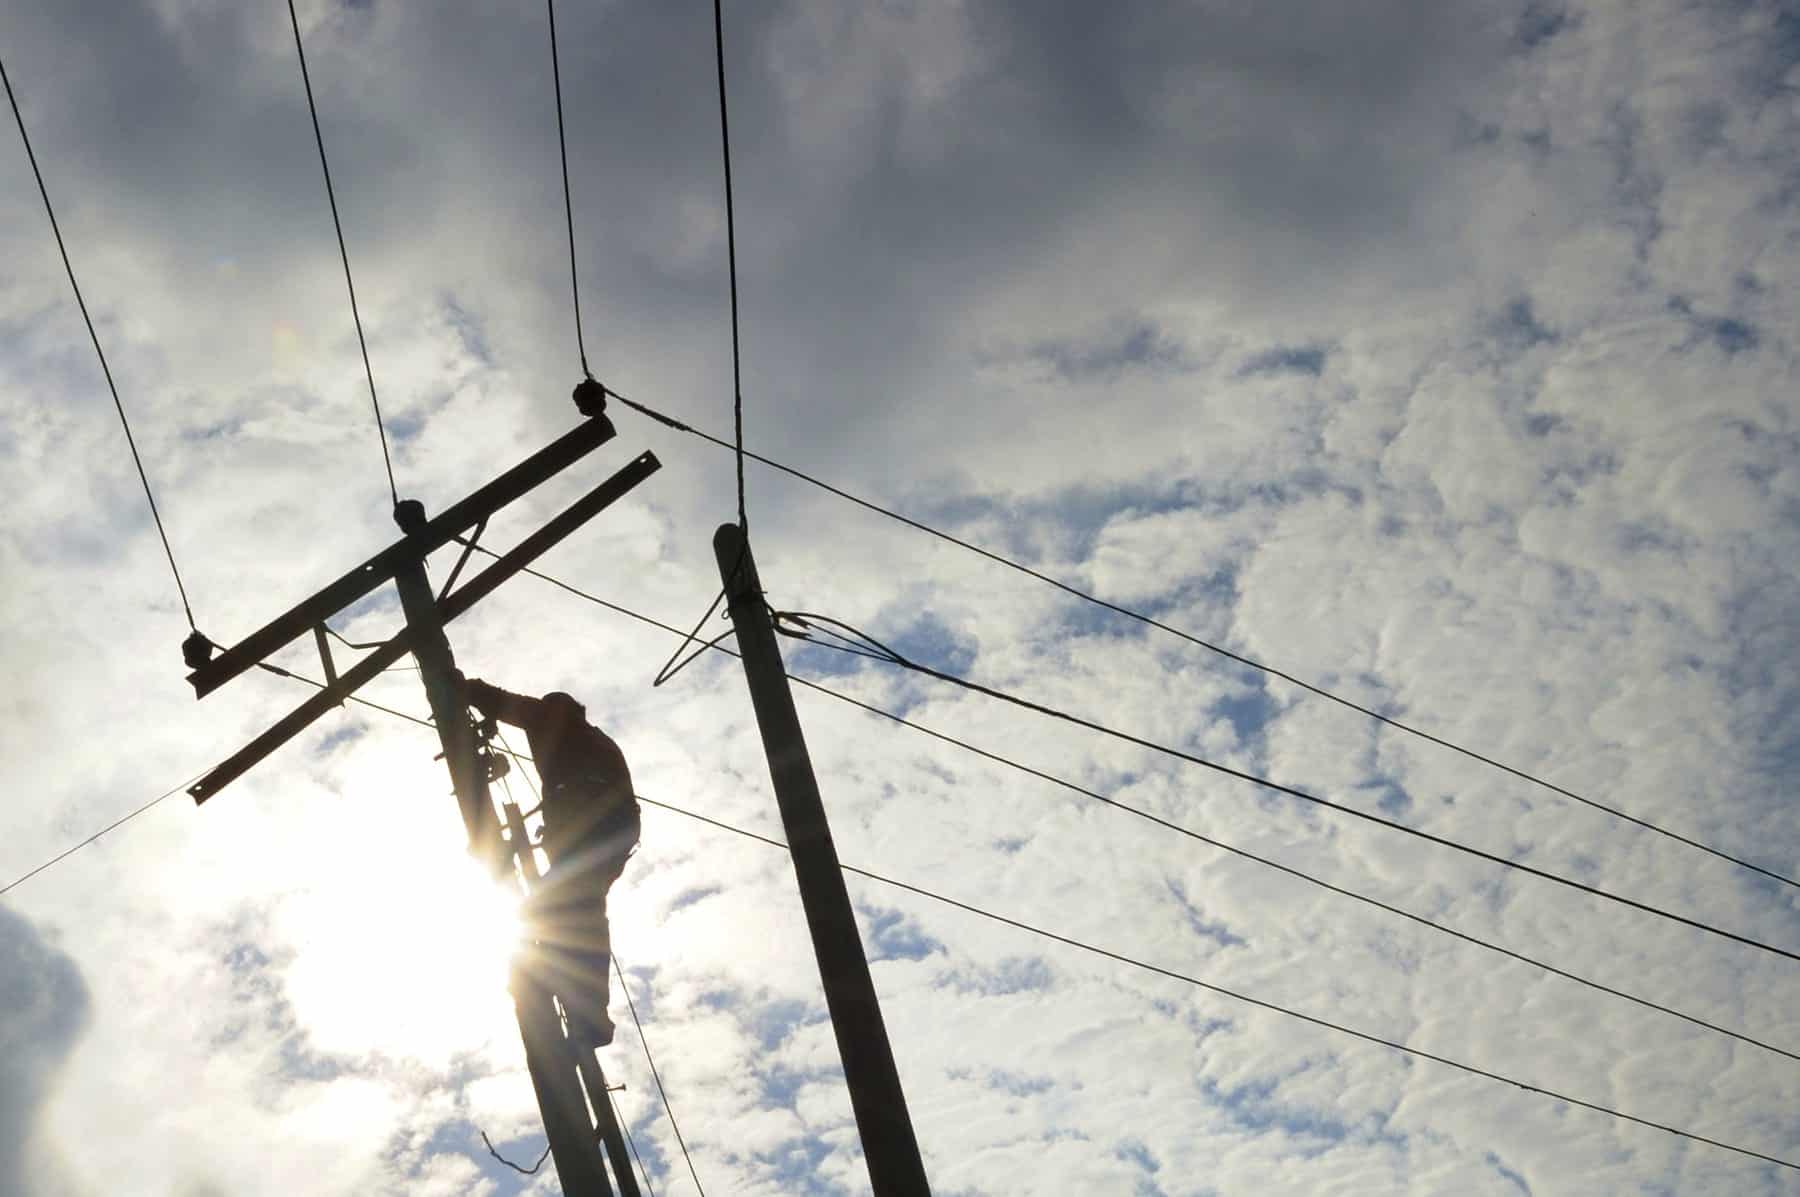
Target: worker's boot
<point>601,1030</point>
<point>587,999</point>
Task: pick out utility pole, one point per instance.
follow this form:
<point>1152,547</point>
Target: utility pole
<point>558,1064</point>
<point>889,1146</point>
<point>565,1073</point>
<point>528,991</point>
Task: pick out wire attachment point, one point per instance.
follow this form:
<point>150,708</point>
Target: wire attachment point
<point>410,515</point>
<point>590,396</point>
<point>196,649</point>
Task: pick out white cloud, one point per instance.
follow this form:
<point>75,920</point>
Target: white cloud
<point>1443,358</point>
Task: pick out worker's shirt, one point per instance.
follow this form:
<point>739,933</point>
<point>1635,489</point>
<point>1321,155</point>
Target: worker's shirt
<point>587,785</point>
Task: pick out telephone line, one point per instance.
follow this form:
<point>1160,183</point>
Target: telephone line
<point>343,252</point>
<point>562,149</point>
<point>1299,874</point>
<point>1013,764</point>
<point>80,302</point>
<point>1107,954</point>
<point>650,1059</point>
<point>903,662</point>
<point>1171,974</point>
<point>630,1143</point>
<point>625,988</point>
<point>115,824</point>
<point>1221,650</point>
<point>737,381</point>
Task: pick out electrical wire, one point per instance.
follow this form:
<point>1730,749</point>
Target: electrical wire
<point>358,645</point>
<point>343,252</point>
<point>986,754</point>
<point>278,671</point>
<point>124,819</point>
<point>737,381</point>
<point>1068,941</point>
<point>80,302</point>
<point>650,1059</point>
<point>625,988</point>
<point>901,661</point>
<point>1108,954</point>
<point>519,1168</point>
<point>562,149</point>
<point>1301,875</point>
<point>112,826</point>
<point>1169,629</point>
<point>630,1143</point>
<point>1261,1003</point>
<point>1222,845</point>
<point>669,667</point>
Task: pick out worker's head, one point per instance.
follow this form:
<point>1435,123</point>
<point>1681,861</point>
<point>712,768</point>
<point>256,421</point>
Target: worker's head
<point>564,708</point>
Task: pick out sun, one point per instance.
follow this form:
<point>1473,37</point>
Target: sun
<point>403,949</point>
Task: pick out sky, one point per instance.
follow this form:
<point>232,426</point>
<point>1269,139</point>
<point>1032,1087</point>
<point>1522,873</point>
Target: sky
<point>1441,355</point>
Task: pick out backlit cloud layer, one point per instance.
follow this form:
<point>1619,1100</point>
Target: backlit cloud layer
<point>1438,354</point>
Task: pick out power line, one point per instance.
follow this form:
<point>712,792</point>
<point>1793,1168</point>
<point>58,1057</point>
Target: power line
<point>1118,957</point>
<point>278,671</point>
<point>1095,950</point>
<point>670,667</point>
<point>124,819</point>
<point>562,148</point>
<point>895,658</point>
<point>344,253</point>
<point>116,823</point>
<point>1299,874</point>
<point>1248,662</point>
<point>737,381</point>
<point>1121,958</point>
<point>521,1169</point>
<point>625,988</point>
<point>630,1143</point>
<point>1001,760</point>
<point>100,353</point>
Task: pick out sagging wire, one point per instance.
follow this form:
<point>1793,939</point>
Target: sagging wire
<point>853,639</point>
<point>521,1170</point>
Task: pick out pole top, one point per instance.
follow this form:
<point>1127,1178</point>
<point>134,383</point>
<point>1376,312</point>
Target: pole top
<point>730,546</point>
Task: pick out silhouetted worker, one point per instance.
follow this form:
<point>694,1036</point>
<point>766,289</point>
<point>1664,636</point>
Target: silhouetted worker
<point>591,826</point>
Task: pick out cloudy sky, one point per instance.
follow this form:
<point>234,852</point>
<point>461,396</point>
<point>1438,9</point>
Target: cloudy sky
<point>1439,353</point>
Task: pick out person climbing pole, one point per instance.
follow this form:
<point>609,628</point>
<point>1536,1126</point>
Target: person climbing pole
<point>591,827</point>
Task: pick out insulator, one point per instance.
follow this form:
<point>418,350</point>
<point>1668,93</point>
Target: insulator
<point>196,650</point>
<point>590,397</point>
<point>410,515</point>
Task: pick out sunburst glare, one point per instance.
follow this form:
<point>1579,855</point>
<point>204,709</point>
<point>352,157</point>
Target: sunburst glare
<point>404,953</point>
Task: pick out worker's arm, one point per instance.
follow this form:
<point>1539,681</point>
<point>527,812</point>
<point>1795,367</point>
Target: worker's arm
<point>516,709</point>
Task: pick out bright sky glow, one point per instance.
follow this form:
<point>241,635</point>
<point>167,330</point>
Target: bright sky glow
<point>404,952</point>
<point>1443,354</point>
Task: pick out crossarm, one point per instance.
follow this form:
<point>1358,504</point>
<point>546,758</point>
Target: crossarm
<point>471,592</point>
<point>275,635</point>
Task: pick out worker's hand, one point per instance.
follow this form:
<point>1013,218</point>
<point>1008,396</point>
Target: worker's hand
<point>479,693</point>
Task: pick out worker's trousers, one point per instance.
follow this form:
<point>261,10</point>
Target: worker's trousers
<point>569,912</point>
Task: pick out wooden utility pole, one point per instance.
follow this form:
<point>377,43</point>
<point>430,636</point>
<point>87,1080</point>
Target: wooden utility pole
<point>564,1071</point>
<point>889,1146</point>
<point>559,1065</point>
<point>529,992</point>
